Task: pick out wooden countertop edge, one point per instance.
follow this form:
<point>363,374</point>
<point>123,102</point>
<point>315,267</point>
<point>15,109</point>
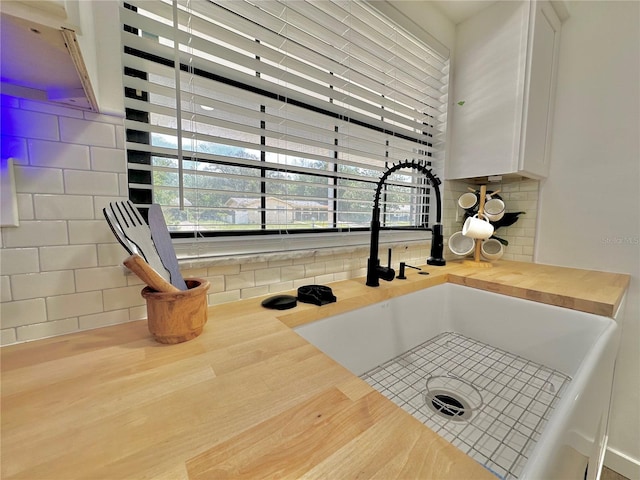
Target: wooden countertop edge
<point>566,301</point>
<point>350,297</point>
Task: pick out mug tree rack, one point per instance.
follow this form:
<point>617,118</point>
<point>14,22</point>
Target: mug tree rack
<point>477,262</point>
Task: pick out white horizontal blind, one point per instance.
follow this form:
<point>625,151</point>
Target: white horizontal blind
<point>272,116</point>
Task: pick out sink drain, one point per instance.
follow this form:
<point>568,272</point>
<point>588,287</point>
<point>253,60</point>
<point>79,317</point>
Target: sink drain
<point>447,405</point>
<point>452,398</point>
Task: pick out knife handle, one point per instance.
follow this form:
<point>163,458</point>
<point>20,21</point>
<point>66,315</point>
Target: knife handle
<point>147,274</point>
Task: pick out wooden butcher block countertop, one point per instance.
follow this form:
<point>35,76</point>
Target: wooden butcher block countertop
<point>248,398</point>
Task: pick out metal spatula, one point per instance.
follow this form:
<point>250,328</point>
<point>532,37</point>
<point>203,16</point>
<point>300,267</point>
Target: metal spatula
<point>136,233</point>
<point>118,233</point>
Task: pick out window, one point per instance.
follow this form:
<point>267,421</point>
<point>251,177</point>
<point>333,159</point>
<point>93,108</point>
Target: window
<point>265,116</point>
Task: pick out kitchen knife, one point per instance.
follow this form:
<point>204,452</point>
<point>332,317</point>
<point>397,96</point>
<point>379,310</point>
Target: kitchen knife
<point>164,246</point>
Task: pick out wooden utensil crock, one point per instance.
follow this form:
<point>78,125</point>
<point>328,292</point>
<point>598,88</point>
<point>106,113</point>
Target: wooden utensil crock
<point>175,317</point>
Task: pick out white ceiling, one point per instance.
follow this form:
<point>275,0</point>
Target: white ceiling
<point>459,10</point>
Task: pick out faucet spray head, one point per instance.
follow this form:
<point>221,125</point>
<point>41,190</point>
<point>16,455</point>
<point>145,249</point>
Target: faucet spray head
<point>437,247</point>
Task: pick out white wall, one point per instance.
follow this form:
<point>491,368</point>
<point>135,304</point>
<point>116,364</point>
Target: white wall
<point>589,215</point>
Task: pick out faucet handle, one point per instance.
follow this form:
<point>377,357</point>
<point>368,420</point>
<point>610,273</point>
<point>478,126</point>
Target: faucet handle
<point>386,273</point>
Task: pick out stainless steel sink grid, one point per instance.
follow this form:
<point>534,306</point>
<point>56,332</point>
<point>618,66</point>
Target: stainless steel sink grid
<point>499,430</point>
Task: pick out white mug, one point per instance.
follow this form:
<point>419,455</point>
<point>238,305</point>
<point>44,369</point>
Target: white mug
<point>467,201</point>
<point>477,227</point>
<point>492,249</point>
<point>461,245</point>
<point>494,209</point>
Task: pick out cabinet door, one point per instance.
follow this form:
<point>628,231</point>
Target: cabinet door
<point>538,108</point>
<point>489,77</point>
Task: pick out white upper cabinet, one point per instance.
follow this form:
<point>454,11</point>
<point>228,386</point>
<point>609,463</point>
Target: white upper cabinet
<point>503,91</point>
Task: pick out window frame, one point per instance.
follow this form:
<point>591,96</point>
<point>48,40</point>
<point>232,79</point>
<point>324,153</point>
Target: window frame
<point>332,236</point>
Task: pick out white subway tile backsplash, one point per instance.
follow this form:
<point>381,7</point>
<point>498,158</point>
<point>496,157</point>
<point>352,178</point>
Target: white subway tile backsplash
<point>223,297</point>
<point>253,265</point>
<point>216,284</point>
<point>102,118</point>
<point>8,336</point>
<point>60,207</point>
<point>510,197</point>
<point>124,297</point>
<point>223,270</point>
<point>38,179</point>
<point>303,281</point>
<point>522,240</point>
<point>194,272</point>
<point>68,257</point>
<point>16,148</point>
<point>100,202</point>
<point>512,231</point>
<point>123,184</point>
<point>137,313</point>
<point>108,160</point>
<point>131,278</point>
<point>280,287</point>
<point>5,289</point>
<point>529,186</point>
<point>267,275</point>
<point>293,272</point>
<point>324,279</point>
<point>279,263</point>
<point>47,329</point>
<point>100,278</point>
<point>31,124</point>
<point>79,182</point>
<point>254,291</point>
<point>87,132</point>
<point>111,254</point>
<point>52,108</point>
<point>90,231</point>
<point>58,155</point>
<point>73,305</point>
<point>334,266</point>
<point>25,206</point>
<point>363,271</point>
<point>43,284</point>
<point>104,319</point>
<point>36,233</point>
<point>19,260</point>
<point>120,137</point>
<point>241,280</point>
<point>338,276</point>
<point>23,312</point>
<point>314,269</point>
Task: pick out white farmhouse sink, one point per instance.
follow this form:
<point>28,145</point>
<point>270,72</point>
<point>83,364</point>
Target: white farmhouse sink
<point>578,346</point>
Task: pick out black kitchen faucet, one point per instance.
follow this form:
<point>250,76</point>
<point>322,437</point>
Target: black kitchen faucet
<point>375,271</point>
